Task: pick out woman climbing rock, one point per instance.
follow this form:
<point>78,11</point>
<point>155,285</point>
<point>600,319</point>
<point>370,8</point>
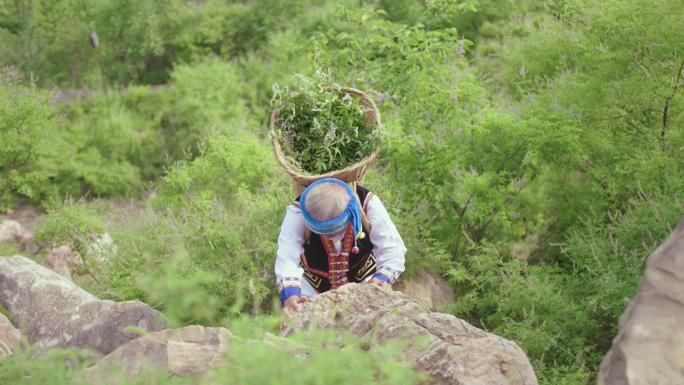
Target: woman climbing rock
<point>332,235</point>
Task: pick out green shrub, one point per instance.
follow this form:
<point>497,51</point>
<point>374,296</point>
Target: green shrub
<point>255,356</point>
<point>99,147</point>
<point>214,231</point>
<point>331,357</point>
<point>23,368</point>
<point>566,318</point>
<point>203,98</point>
<point>75,223</point>
<point>140,41</point>
<point>532,156</point>
<point>26,122</point>
<point>227,166</point>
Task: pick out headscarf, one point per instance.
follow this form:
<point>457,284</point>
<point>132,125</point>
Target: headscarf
<point>351,214</point>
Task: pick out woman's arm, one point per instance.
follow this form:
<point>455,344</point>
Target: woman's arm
<point>290,247</point>
<point>388,247</point>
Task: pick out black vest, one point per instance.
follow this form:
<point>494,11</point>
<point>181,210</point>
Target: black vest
<point>315,259</point>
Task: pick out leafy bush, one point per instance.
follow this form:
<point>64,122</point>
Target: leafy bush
<point>532,149</point>
<point>75,223</point>
<point>99,147</point>
<point>256,356</point>
<point>140,41</point>
<point>331,358</point>
<point>25,125</point>
<point>208,240</point>
<point>228,166</point>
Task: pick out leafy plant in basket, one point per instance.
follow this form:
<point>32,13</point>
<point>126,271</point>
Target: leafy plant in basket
<point>321,126</point>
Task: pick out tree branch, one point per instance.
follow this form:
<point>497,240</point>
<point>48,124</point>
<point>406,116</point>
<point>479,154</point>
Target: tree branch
<point>675,86</point>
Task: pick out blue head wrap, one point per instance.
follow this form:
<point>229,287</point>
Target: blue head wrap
<point>352,214</point>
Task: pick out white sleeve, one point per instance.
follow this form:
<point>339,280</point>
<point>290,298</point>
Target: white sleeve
<point>290,247</point>
<point>388,247</point>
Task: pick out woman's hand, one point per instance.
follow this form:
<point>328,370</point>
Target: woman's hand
<point>291,305</point>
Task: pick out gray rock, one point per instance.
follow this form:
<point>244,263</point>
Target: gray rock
<point>181,352</point>
<point>53,312</point>
<point>62,259</point>
<point>450,350</point>
<point>10,338</point>
<point>427,288</point>
<point>101,248</point>
<point>649,347</point>
<point>13,231</point>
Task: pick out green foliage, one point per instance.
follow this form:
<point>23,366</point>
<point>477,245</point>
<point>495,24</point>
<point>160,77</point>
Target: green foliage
<point>181,262</point>
<point>25,122</point>
<point>47,40</point>
<point>210,242</point>
<point>9,248</point>
<point>100,147</point>
<point>323,358</point>
<point>320,127</point>
<point>566,320</point>
<point>4,311</point>
<point>255,356</point>
<point>528,304</point>
<point>227,167</point>
<point>184,292</point>
<point>23,368</point>
<point>140,41</point>
<point>532,153</point>
<point>72,222</point>
<point>203,98</point>
<point>103,149</point>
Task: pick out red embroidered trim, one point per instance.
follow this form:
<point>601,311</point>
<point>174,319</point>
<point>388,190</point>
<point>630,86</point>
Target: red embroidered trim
<point>306,266</point>
<point>338,263</point>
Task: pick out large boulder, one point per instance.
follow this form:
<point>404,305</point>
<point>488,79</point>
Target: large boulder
<point>55,313</point>
<point>9,337</point>
<point>427,288</point>
<point>449,349</point>
<point>181,352</point>
<point>649,348</point>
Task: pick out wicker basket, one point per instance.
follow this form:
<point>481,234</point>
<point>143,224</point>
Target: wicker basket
<point>349,174</point>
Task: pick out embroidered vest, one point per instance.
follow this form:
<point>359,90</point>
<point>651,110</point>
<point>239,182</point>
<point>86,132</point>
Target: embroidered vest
<point>315,259</point>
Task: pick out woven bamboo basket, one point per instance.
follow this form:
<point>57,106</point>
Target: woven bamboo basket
<point>350,174</point>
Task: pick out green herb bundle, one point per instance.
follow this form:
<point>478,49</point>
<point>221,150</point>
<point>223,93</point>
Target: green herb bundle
<point>320,128</point>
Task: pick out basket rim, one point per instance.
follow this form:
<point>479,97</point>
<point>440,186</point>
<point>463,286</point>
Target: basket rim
<point>310,178</point>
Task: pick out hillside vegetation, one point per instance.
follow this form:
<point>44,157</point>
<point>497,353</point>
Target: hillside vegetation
<point>533,154</point>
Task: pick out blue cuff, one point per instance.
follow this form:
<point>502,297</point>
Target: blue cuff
<point>289,292</point>
<point>381,277</point>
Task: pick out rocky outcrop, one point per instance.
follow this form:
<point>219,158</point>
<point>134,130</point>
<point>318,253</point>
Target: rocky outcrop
<point>9,337</point>
<point>13,231</point>
<point>62,259</point>
<point>449,349</point>
<point>649,348</point>
<point>427,288</point>
<point>53,312</point>
<point>181,352</point>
